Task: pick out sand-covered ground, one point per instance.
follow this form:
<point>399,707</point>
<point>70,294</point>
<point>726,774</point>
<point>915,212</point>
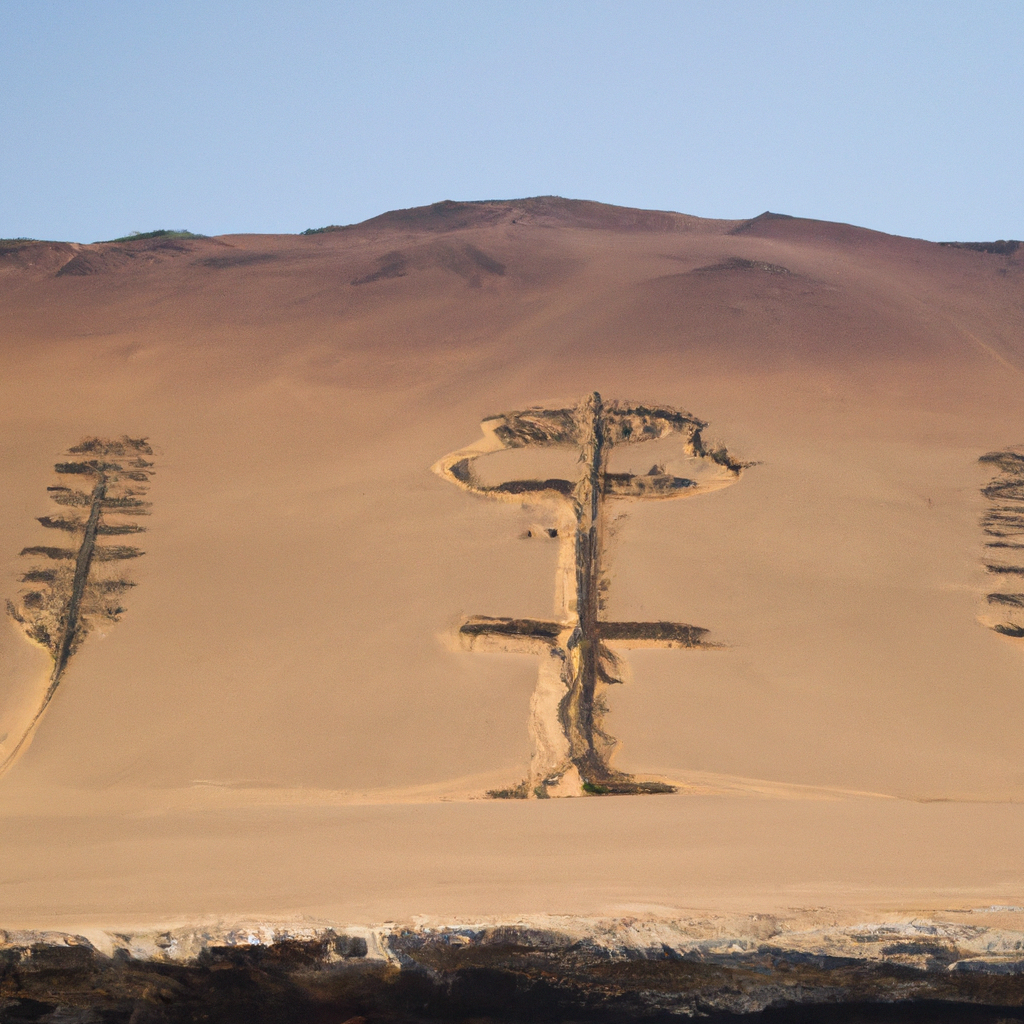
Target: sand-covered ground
<point>284,723</point>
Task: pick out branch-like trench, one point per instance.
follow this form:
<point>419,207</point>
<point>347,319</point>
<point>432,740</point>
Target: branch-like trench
<point>60,619</point>
<point>1004,521</point>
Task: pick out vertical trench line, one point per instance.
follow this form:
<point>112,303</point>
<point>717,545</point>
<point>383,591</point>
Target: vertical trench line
<point>60,657</point>
<point>578,706</point>
<point>589,660</point>
<point>82,566</point>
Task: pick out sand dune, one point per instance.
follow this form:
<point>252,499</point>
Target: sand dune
<point>294,626</point>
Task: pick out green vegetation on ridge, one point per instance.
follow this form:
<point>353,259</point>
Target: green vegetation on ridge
<point>138,236</point>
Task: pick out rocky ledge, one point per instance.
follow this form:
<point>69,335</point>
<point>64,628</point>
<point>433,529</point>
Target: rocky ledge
<point>756,968</point>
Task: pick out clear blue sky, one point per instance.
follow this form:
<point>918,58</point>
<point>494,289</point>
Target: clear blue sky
<point>223,116</point>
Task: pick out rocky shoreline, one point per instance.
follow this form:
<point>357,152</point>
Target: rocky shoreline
<point>551,969</point>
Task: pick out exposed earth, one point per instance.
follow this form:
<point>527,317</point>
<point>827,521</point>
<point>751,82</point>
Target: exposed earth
<point>283,724</point>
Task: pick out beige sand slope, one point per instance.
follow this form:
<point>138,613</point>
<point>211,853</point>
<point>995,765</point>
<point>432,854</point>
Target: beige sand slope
<point>270,727</point>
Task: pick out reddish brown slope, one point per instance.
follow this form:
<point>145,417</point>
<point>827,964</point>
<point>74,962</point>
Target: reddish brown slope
<point>305,572</point>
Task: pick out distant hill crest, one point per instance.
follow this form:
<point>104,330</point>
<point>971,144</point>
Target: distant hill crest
<point>546,211</point>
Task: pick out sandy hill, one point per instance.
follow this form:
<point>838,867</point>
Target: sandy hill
<point>267,726</point>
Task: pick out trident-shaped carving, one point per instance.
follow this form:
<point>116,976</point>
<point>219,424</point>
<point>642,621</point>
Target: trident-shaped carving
<point>572,753</point>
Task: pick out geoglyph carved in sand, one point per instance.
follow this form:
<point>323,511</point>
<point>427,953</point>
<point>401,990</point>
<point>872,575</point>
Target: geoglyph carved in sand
<point>1003,524</point>
<point>572,752</point>
<point>67,597</point>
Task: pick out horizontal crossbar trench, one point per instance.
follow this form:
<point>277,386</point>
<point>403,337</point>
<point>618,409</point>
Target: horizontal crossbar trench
<point>620,634</point>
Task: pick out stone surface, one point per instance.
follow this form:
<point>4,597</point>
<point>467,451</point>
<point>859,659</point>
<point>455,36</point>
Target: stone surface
<point>533,969</point>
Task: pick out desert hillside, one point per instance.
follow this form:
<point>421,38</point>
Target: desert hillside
<point>286,686</point>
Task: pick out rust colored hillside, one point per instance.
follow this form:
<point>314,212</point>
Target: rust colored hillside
<point>290,675</point>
